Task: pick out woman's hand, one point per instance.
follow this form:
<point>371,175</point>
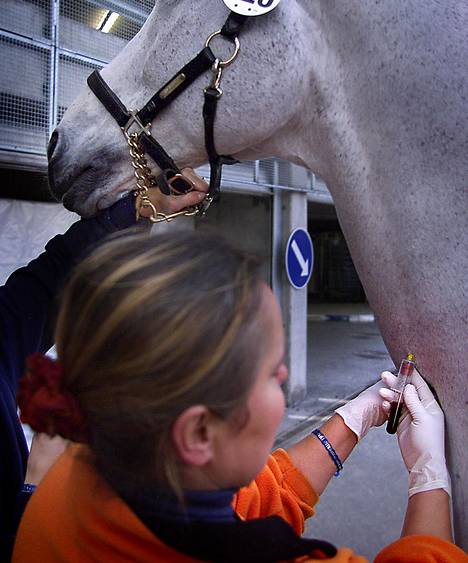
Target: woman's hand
<point>350,423</point>
<point>168,204</point>
<point>421,440</point>
<point>421,434</point>
<point>365,411</point>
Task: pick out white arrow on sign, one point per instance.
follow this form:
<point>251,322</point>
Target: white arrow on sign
<point>304,264</point>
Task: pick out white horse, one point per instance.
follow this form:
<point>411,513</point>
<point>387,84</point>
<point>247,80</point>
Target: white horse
<point>371,95</point>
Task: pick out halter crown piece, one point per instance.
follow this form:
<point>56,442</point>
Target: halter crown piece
<point>136,124</point>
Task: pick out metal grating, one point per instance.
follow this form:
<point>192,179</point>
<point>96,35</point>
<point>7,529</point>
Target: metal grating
<point>73,74</point>
<point>79,30</point>
<point>242,172</point>
<point>144,5</point>
<point>43,66</point>
<point>31,18</point>
<point>267,171</point>
<point>24,95</point>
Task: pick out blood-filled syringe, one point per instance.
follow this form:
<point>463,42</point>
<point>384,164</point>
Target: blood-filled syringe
<point>404,373</point>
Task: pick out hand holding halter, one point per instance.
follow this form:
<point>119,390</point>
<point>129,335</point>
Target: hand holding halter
<point>165,205</point>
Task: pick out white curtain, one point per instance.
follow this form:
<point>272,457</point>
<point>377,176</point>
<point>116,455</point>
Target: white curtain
<point>25,228</point>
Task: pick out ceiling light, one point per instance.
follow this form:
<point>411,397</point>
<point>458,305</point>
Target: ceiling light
<point>107,21</point>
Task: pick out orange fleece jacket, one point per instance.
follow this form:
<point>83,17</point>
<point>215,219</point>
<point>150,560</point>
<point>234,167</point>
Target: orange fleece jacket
<point>75,517</point>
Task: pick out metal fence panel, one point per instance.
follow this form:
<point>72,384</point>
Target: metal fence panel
<point>80,30</point>
<point>73,73</point>
<point>24,95</point>
<point>34,90</point>
<point>30,18</point>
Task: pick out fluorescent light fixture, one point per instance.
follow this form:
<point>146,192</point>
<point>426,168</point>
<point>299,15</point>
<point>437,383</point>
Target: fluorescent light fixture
<point>107,21</point>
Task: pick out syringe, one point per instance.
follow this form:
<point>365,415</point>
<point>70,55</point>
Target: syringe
<point>404,373</point>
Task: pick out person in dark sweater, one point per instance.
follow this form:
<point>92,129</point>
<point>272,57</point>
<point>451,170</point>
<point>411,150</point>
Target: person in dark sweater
<point>27,305</point>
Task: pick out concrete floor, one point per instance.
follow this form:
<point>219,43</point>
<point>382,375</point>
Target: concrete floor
<point>342,359</point>
<point>364,507</point>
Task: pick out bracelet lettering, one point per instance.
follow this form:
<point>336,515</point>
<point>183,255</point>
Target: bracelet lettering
<point>331,452</point>
<point>27,488</point>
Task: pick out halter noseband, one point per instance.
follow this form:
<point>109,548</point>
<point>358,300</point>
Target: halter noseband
<point>136,125</point>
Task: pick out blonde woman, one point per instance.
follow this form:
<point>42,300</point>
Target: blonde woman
<point>169,377</point>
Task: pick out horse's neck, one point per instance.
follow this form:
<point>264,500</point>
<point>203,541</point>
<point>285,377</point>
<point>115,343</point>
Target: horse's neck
<point>373,90</point>
<point>387,138</point>
<point>375,123</point>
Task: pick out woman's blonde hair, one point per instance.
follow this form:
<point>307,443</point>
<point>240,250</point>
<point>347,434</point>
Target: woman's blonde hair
<point>148,327</point>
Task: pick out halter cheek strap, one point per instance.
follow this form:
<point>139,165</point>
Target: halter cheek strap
<point>136,125</point>
<point>141,120</point>
<point>108,99</point>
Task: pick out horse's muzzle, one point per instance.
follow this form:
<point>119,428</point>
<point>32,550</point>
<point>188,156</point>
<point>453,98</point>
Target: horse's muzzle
<point>55,152</point>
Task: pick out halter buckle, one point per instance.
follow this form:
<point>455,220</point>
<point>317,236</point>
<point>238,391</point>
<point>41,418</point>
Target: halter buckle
<point>135,120</point>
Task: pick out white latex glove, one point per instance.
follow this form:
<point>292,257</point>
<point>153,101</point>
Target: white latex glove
<point>365,411</point>
<point>421,435</point>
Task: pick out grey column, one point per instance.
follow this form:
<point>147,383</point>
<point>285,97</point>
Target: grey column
<point>289,213</point>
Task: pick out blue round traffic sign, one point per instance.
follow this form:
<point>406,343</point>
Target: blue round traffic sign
<point>299,259</point>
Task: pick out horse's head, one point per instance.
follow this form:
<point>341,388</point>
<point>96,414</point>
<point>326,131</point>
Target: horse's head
<point>89,163</point>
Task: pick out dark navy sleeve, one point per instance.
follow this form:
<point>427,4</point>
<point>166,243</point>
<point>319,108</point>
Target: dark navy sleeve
<point>28,298</point>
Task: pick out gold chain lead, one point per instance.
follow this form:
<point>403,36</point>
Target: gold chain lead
<point>145,180</point>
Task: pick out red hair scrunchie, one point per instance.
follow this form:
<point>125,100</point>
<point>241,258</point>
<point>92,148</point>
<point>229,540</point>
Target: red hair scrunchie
<point>44,402</point>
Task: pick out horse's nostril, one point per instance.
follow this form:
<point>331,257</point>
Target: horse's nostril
<point>52,144</point>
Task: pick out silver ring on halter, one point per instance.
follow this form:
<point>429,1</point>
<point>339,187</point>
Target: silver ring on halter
<point>228,61</point>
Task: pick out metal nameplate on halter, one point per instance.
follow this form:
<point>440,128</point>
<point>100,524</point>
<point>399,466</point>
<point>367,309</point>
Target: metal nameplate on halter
<point>251,7</point>
<point>135,120</point>
<point>173,85</point>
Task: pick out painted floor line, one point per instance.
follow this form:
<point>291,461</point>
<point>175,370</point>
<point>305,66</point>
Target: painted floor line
<point>301,416</point>
<point>332,400</point>
<point>308,418</point>
<point>290,435</point>
<point>366,318</point>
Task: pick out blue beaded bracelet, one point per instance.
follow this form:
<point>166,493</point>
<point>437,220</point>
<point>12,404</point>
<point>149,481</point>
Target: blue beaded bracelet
<point>330,450</point>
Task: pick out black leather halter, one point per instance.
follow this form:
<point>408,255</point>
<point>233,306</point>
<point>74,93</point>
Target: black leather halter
<point>141,119</point>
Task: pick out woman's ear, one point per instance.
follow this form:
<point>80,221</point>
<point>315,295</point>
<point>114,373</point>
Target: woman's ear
<point>192,436</point>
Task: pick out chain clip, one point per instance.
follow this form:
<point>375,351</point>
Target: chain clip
<point>217,71</point>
